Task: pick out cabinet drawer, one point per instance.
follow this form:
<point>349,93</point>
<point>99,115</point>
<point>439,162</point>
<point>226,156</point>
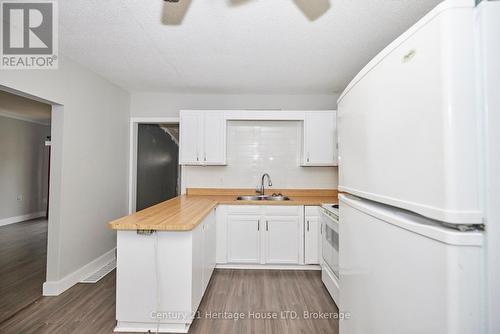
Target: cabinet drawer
<point>282,210</point>
<point>243,210</point>
<point>312,211</point>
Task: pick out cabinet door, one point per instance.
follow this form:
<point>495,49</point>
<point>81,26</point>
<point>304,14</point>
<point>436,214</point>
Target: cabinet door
<point>243,239</point>
<point>221,234</point>
<point>282,240</point>
<point>208,249</point>
<point>312,240</point>
<point>320,139</point>
<point>212,247</point>
<point>190,127</point>
<point>214,142</point>
<point>198,265</point>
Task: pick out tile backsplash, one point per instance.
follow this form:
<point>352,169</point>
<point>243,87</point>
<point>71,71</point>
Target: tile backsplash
<point>257,147</point>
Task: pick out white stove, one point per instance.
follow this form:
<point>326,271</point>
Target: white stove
<point>331,208</point>
<point>330,249</point>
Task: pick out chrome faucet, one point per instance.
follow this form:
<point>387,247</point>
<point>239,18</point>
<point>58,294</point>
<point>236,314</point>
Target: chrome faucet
<point>261,189</point>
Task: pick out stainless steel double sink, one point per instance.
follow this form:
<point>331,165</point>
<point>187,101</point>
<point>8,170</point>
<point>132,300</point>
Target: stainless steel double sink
<point>263,198</point>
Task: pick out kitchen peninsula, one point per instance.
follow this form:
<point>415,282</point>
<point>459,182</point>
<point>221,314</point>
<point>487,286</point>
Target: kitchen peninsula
<point>166,253</point>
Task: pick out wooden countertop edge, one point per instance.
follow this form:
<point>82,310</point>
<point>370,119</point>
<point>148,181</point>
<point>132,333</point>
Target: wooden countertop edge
<point>182,227</point>
<point>249,191</point>
<point>200,206</point>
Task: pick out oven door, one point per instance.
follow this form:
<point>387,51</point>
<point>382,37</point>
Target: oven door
<point>330,242</point>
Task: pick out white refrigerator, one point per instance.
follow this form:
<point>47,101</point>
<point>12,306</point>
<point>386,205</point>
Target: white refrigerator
<point>413,168</point>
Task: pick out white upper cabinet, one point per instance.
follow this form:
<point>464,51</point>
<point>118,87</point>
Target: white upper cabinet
<point>202,138</point>
<point>320,138</point>
<point>190,139</point>
<point>214,148</point>
<point>203,135</point>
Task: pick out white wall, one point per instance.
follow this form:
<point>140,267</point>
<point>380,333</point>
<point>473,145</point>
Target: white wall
<point>23,167</point>
<point>89,160</point>
<point>257,147</point>
<point>168,105</point>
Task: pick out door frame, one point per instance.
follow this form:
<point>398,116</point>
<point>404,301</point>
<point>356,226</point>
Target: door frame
<point>54,197</point>
<point>132,166</point>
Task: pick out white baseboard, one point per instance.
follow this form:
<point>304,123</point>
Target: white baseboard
<point>55,288</point>
<point>269,266</point>
<point>150,327</point>
<point>18,219</point>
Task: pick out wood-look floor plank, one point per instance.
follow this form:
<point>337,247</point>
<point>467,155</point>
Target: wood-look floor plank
<point>23,259</point>
<point>90,308</point>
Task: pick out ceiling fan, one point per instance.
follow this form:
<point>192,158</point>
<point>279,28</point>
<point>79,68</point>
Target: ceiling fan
<point>312,9</point>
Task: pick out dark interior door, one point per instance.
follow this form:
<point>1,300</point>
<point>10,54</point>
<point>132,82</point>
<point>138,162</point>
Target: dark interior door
<point>157,166</point>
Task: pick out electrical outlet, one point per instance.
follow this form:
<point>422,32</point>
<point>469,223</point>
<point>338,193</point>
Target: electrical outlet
<point>19,197</point>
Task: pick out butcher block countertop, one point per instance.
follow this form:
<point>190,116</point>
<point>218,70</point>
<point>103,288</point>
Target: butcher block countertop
<point>184,213</point>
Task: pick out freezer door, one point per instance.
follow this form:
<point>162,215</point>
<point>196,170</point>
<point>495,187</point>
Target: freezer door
<point>400,275</point>
<point>408,123</point>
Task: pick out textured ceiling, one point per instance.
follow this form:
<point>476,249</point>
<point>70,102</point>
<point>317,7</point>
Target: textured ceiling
<point>232,46</point>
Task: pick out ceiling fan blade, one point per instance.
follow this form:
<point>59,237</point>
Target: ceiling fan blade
<point>237,2</point>
<point>174,11</point>
<point>313,9</point>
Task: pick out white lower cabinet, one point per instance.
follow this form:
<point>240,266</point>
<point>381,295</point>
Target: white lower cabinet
<point>312,236</point>
<point>209,256</point>
<point>260,235</point>
<point>282,240</point>
<point>312,240</point>
<point>243,237</point>
<point>161,277</point>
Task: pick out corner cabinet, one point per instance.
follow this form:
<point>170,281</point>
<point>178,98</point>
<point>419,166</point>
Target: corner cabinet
<point>202,138</point>
<point>320,139</point>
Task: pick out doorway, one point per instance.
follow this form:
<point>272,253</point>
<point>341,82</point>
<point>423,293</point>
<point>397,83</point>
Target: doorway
<point>157,164</point>
<point>155,172</point>
<point>25,131</point>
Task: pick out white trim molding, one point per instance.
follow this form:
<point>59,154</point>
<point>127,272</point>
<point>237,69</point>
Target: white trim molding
<point>24,118</point>
<point>21,218</point>
<point>269,266</point>
<point>55,288</point>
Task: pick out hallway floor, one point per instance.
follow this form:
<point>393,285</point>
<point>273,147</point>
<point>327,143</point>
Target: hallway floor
<point>23,259</point>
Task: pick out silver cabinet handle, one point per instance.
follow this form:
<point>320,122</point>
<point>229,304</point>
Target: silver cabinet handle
<point>321,230</point>
<point>205,156</point>
<point>267,225</point>
<point>258,225</point>
<point>308,226</point>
